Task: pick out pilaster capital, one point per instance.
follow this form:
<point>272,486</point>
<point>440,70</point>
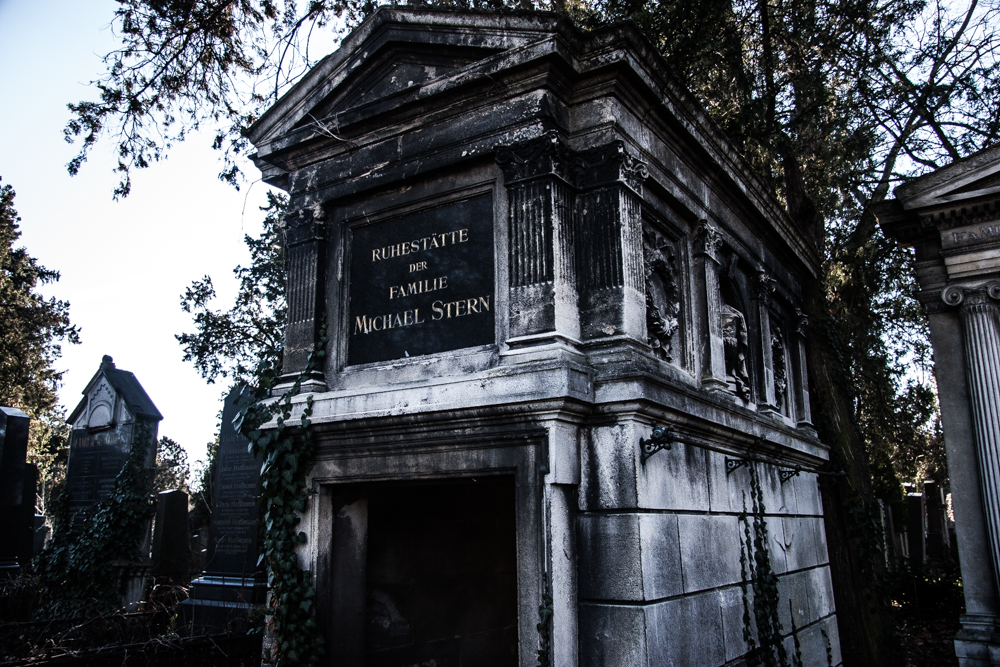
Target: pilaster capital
<point>763,286</point>
<point>306,224</point>
<point>708,241</point>
<point>801,322</point>
<point>546,155</point>
<point>607,164</point>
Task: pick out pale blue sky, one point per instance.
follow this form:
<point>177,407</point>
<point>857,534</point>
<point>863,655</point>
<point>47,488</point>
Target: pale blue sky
<point>124,264</point>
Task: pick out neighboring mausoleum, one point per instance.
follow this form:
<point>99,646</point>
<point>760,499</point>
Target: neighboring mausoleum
<point>113,416</point>
<point>528,247</point>
<point>951,218</point>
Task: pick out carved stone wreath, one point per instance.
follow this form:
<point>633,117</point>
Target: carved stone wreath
<point>663,304</point>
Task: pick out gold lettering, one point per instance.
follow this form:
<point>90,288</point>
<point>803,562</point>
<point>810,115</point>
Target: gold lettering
<point>397,321</point>
<point>407,318</point>
<point>459,309</point>
<point>376,254</point>
<point>485,302</point>
<point>361,324</point>
<point>416,316</point>
<point>473,306</point>
<point>463,235</point>
<point>438,311</point>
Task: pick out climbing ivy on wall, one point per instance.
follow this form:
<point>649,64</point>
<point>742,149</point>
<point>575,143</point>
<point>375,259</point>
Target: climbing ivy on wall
<point>760,610</point>
<point>86,569</point>
<point>288,454</point>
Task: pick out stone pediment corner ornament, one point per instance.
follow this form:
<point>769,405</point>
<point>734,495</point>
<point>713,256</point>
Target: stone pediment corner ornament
<point>954,295</point>
<point>606,164</point>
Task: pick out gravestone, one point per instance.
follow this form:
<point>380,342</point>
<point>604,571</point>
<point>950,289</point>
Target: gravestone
<point>171,549</point>
<point>113,414</point>
<point>17,492</point>
<point>231,583</point>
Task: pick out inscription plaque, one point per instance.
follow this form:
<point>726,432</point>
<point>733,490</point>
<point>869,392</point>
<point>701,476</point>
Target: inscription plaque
<point>422,283</point>
<point>95,459</point>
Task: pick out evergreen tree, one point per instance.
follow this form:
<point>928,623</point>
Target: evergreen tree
<point>31,328</point>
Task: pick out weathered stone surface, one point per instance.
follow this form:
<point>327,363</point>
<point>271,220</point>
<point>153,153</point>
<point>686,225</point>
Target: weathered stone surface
<point>637,275</point>
<point>171,553</point>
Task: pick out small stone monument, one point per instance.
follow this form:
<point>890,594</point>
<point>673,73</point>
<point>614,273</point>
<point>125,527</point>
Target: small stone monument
<point>232,583</point>
<point>16,491</point>
<point>171,553</point>
<point>114,412</point>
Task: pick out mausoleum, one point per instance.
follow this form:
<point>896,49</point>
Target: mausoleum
<point>528,248</point>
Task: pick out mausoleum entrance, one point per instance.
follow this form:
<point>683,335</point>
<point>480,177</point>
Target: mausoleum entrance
<point>439,571</point>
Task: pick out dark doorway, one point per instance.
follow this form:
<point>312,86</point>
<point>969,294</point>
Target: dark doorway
<point>441,574</point>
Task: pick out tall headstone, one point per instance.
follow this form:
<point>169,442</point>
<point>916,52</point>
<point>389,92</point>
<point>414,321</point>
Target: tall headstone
<point>171,546</point>
<point>232,582</point>
<point>14,491</point>
<point>951,218</point>
<point>114,413</point>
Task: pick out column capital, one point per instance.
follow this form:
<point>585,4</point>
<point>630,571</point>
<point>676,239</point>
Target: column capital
<point>763,286</point>
<point>305,224</point>
<point>546,155</point>
<point>708,241</point>
<point>971,293</point>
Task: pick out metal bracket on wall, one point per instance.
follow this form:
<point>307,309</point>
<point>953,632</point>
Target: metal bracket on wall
<point>786,475</point>
<point>663,438</point>
<point>733,464</point>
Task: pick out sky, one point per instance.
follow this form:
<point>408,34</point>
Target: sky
<point>123,264</point>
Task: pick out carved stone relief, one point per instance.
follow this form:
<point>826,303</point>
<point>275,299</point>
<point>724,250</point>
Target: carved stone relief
<point>734,336</point>
<point>780,368</point>
<point>663,303</point>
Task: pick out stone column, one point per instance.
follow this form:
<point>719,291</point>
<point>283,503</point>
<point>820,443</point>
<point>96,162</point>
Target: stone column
<point>707,249</point>
<point>981,330</point>
<point>306,262</point>
<point>543,298</point>
<point>609,226</point>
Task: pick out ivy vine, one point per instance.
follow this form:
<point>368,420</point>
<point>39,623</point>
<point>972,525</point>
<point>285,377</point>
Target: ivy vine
<point>288,453</point>
<point>766,648</point>
<point>85,570</point>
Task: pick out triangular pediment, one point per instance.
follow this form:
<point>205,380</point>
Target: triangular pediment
<point>385,58</point>
<point>972,178</point>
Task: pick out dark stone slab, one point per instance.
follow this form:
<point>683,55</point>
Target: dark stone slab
<point>171,552</point>
<point>95,459</point>
<point>422,283</point>
<point>232,582</point>
<point>13,450</point>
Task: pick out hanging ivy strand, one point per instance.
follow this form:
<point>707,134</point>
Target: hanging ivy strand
<point>288,452</point>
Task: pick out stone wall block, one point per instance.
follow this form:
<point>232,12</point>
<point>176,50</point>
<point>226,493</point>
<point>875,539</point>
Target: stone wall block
<point>804,542</point>
<point>609,562</point>
<point>727,490</point>
<point>685,631</point>
<point>805,487</point>
<point>674,479</point>
<point>731,604</point>
<point>611,466</point>
<point>811,595</point>
<point>612,635</point>
<point>778,544</point>
<point>660,555</point>
<point>710,551</point>
<point>819,644</point>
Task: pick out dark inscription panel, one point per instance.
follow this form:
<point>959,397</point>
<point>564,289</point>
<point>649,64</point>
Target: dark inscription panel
<point>95,459</point>
<point>422,283</point>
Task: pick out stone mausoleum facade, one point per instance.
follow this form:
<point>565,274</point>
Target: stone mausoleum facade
<point>529,247</point>
<point>951,218</point>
